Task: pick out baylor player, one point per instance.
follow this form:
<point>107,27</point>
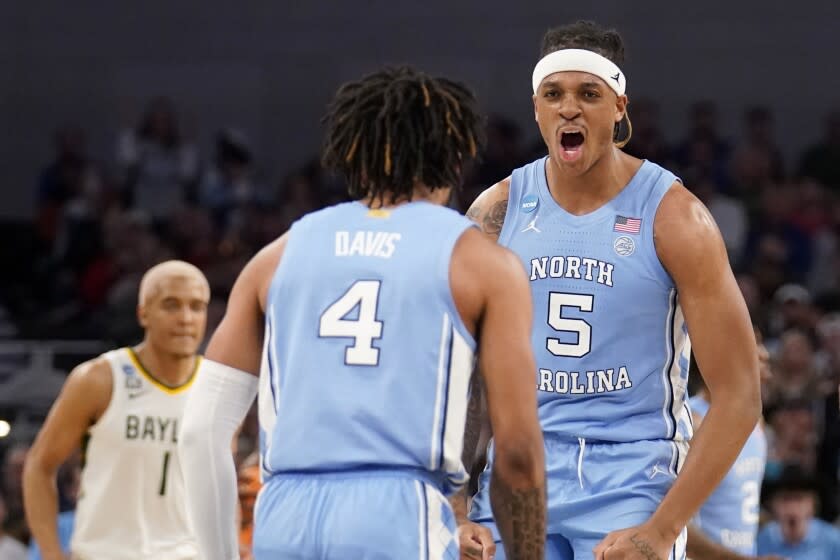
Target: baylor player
<point>125,406</point>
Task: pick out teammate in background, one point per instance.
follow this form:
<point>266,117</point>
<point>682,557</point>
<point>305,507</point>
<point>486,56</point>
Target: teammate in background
<point>795,533</point>
<point>368,314</point>
<point>726,526</point>
<point>123,408</point>
<point>623,262</point>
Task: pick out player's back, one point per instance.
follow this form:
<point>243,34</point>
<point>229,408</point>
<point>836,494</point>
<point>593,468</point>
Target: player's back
<point>367,363</point>
<point>730,515</point>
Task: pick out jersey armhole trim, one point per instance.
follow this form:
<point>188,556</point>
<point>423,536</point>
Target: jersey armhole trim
<point>514,193</point>
<point>658,268</point>
<point>444,269</point>
<point>117,390</point>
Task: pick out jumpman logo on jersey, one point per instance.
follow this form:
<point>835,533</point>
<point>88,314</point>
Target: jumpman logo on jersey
<point>532,226</point>
<point>658,470</point>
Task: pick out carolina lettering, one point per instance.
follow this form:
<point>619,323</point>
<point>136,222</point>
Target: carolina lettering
<point>589,383</point>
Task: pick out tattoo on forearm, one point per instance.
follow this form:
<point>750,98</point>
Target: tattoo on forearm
<point>644,548</point>
<point>520,517</point>
<point>495,218</point>
<point>472,428</point>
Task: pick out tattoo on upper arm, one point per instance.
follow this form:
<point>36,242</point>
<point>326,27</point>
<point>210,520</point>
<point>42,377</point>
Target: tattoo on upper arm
<point>522,519</point>
<point>495,218</point>
<point>491,222</point>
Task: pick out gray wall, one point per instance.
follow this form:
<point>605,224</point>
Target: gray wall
<point>269,67</point>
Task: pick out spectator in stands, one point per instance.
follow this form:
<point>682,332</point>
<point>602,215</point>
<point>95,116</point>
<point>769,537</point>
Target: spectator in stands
<point>773,223</point>
<point>797,376</point>
<point>757,160</point>
<point>648,141</point>
<point>824,277</point>
<point>703,151</point>
<point>69,476</point>
<point>728,212</point>
<point>822,161</point>
<point>792,308</point>
<point>12,490</point>
<point>792,438</point>
<point>228,184</point>
<point>157,164</point>
<point>10,548</point>
<point>795,533</point>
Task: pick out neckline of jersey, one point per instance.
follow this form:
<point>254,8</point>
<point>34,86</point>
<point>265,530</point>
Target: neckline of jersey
<point>606,209</point>
<point>135,359</point>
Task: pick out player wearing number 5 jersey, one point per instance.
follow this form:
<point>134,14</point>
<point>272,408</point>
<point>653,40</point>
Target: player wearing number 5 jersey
<point>124,408</point>
<point>368,314</point>
<point>624,264</point>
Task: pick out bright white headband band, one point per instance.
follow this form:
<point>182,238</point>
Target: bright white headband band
<point>579,60</point>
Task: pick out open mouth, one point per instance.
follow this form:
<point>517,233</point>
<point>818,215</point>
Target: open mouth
<point>572,144</point>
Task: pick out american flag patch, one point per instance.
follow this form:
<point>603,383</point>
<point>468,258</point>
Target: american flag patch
<point>627,225</point>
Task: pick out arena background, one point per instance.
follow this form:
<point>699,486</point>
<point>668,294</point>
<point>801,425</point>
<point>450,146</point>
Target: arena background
<point>248,84</point>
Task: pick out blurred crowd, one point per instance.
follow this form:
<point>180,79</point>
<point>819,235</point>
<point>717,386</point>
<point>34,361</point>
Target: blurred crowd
<point>103,219</point>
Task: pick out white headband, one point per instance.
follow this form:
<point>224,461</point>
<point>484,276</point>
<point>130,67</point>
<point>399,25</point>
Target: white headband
<point>579,60</point>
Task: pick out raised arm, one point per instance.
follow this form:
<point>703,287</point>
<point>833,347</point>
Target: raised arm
<point>83,399</point>
<point>224,390</point>
<point>692,251</point>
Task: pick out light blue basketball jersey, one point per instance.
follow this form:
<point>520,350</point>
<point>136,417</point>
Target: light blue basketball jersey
<point>609,338</point>
<point>730,515</point>
<point>366,363</point>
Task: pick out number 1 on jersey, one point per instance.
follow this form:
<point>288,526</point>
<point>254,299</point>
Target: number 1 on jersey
<point>162,490</point>
<point>364,295</point>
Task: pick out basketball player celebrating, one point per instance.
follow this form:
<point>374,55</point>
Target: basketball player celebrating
<point>125,406</point>
<point>369,313</point>
<point>623,264</point>
<point>726,526</point>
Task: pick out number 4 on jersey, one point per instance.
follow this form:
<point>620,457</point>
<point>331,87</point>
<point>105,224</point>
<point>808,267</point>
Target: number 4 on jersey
<point>364,295</point>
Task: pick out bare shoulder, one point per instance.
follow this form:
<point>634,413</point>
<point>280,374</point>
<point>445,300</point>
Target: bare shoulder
<point>482,269</point>
<point>489,209</point>
<point>685,232</point>
<point>89,385</point>
<point>259,271</point>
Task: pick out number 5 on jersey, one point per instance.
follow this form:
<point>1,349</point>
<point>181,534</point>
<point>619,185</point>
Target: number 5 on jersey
<point>364,329</point>
<point>556,302</point>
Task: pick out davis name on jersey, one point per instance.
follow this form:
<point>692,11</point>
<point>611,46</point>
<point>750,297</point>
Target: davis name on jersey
<point>380,244</point>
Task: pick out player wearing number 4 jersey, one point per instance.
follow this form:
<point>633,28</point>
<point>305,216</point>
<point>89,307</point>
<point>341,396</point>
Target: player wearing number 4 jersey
<point>368,314</point>
<point>124,407</point>
<point>623,263</point>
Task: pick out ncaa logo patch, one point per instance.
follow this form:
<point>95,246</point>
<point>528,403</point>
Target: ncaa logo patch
<point>530,203</point>
<point>624,246</point>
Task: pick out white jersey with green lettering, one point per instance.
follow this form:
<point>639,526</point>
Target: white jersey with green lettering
<point>131,499</point>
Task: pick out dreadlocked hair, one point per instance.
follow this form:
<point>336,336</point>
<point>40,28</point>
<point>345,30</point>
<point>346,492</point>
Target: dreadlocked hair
<point>398,128</point>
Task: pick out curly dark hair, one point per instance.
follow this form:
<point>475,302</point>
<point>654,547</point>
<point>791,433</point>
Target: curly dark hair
<point>584,35</point>
<point>399,127</point>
